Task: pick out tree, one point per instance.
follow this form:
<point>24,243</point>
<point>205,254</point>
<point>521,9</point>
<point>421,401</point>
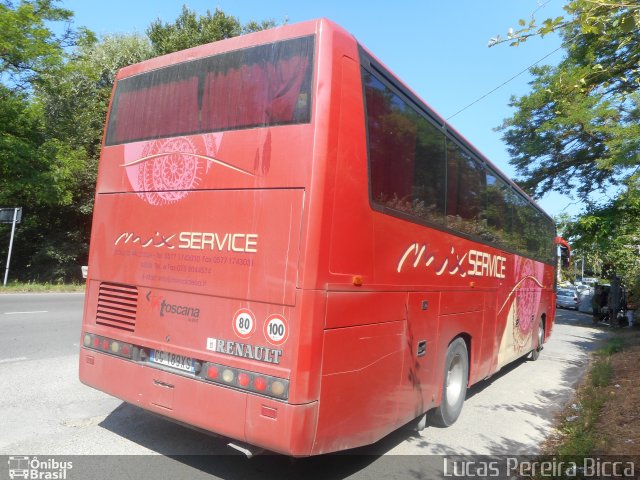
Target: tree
<point>609,235</point>
<point>36,170</point>
<point>189,30</point>
<point>75,96</point>
<point>30,169</point>
<point>28,47</point>
<point>71,100</point>
<point>578,130</point>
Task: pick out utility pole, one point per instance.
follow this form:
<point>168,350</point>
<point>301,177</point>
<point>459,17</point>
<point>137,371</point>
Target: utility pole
<point>16,217</point>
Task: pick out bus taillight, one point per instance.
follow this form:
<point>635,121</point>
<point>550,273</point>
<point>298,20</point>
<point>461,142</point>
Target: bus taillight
<point>212,371</point>
<point>249,381</point>
<point>107,345</point>
<point>243,380</point>
<point>278,388</point>
<point>260,384</point>
<point>228,375</point>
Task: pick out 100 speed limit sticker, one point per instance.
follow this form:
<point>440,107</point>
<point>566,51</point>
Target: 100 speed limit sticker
<point>276,329</point>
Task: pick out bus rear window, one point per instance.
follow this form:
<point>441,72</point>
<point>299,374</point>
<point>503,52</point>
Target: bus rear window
<point>255,87</point>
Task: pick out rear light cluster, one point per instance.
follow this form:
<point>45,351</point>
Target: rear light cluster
<point>250,381</point>
<point>211,372</point>
<point>108,345</point>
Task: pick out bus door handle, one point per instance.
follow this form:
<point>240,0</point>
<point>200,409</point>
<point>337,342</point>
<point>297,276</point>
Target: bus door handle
<point>422,348</point>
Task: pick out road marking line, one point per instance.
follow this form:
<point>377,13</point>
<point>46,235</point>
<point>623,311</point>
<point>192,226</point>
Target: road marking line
<point>26,313</point>
<point>15,359</point>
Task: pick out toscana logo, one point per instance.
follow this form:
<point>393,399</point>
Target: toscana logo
<point>171,309</point>
<point>34,468</point>
<point>182,310</point>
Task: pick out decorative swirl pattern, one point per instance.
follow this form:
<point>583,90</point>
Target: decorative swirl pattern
<point>168,178</point>
<point>527,301</point>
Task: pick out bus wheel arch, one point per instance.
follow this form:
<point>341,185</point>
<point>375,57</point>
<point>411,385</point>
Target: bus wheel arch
<point>540,333</point>
<point>454,383</point>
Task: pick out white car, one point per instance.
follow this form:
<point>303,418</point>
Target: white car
<point>567,298</point>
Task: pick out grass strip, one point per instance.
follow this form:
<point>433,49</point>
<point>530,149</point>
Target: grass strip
<point>33,287</point>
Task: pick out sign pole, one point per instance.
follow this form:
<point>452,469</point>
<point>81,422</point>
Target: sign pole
<point>13,231</point>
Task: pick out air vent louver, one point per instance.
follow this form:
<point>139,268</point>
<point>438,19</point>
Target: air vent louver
<point>117,306</point>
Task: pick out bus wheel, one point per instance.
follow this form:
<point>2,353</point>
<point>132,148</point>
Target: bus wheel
<point>535,353</point>
<point>454,386</point>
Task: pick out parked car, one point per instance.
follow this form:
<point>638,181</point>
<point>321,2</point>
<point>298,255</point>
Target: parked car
<point>583,289</point>
<point>567,298</point>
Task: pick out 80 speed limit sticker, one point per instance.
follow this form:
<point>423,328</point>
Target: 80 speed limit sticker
<point>244,323</point>
<point>276,329</point>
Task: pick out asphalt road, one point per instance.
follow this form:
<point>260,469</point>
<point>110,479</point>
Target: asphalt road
<point>46,411</point>
<point>39,326</point>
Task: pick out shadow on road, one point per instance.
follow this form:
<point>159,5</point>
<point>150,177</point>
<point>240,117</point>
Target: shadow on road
<point>212,457</point>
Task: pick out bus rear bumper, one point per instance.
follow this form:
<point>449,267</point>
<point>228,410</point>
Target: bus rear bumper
<point>256,420</point>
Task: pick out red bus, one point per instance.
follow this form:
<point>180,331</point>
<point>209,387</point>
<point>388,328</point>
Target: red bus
<point>290,249</point>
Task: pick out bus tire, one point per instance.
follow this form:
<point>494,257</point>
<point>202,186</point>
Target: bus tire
<point>535,353</point>
<point>454,385</point>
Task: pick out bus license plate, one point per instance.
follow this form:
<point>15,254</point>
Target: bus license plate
<point>172,360</point>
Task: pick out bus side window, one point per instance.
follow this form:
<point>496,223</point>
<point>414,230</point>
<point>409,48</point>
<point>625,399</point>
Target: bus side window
<point>466,191</point>
<point>406,155</point>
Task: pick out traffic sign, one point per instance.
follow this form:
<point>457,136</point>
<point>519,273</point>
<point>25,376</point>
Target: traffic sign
<point>7,215</point>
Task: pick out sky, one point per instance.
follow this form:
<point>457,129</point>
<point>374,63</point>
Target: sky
<point>438,48</point>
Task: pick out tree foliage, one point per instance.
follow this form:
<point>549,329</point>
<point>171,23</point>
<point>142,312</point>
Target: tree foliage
<point>28,46</point>
<point>190,30</point>
<point>578,130</point>
<point>609,237</point>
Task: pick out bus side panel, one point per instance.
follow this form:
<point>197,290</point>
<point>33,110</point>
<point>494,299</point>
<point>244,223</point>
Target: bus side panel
<point>422,375</point>
<point>489,347</point>
<point>360,385</point>
<point>348,309</point>
<point>307,357</point>
<point>550,310</point>
<point>281,427</point>
<point>520,310</point>
<point>462,312</point>
<point>352,225</point>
